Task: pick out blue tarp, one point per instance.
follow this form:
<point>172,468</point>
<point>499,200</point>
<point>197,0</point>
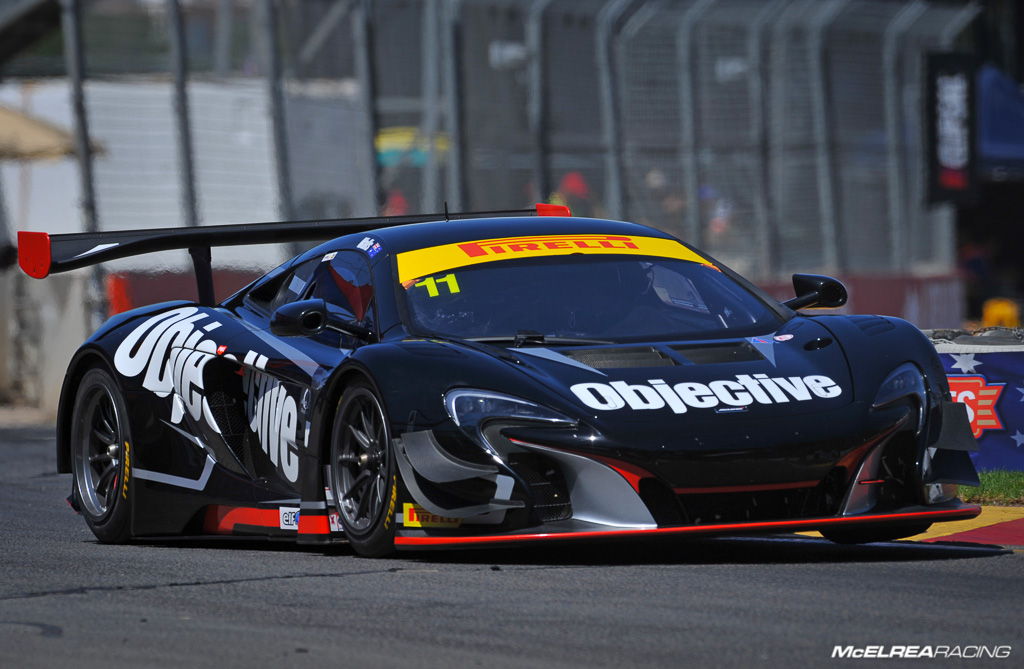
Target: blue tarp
<point>1000,108</point>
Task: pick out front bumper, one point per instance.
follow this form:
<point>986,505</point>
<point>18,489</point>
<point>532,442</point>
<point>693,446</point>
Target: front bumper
<point>574,530</point>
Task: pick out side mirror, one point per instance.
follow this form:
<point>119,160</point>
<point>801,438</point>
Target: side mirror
<point>814,290</point>
<point>306,318</point>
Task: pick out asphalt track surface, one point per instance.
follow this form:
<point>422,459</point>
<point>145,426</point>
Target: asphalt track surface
<point>66,600</point>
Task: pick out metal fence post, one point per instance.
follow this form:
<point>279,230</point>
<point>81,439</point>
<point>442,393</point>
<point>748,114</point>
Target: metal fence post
<point>759,135</point>
<point>959,22</point>
<point>688,118</point>
<point>224,19</point>
<point>179,68</point>
<point>605,59</point>
<point>275,94</point>
<point>946,246</point>
<point>74,58</point>
<point>362,36</point>
<point>631,164</point>
<point>895,149</point>
<point>455,188</point>
<point>430,96</point>
<point>538,118</point>
<point>825,163</point>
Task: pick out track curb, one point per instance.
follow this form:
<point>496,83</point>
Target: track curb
<point>998,525</point>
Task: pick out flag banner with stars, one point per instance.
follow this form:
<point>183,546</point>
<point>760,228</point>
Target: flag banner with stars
<point>991,385</point>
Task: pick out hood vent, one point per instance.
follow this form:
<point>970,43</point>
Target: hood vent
<point>621,358</point>
<point>706,354</point>
<point>872,325</point>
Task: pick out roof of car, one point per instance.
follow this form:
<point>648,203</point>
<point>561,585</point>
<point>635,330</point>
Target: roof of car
<point>403,238</point>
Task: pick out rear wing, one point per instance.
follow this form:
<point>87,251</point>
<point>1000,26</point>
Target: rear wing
<point>41,254</point>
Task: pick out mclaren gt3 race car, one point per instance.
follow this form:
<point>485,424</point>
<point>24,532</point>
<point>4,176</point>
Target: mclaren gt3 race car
<point>487,379</point>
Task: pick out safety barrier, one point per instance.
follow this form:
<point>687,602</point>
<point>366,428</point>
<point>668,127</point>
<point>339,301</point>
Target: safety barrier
<point>986,373</point>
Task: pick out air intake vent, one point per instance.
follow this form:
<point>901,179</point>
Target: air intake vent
<point>549,494</point>
<point>872,325</point>
<point>621,358</point>
<point>706,354</point>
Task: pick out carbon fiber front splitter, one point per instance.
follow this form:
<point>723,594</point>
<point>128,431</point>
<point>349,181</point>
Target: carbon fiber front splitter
<point>576,530</point>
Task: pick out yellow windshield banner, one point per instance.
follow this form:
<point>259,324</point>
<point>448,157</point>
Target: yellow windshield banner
<point>424,262</point>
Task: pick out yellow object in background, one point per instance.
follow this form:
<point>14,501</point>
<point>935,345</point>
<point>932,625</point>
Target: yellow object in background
<point>1000,312</point>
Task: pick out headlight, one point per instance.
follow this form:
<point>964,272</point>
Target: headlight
<point>469,408</point>
<point>904,381</point>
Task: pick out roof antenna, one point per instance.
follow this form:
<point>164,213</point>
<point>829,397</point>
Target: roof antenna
<point>446,210</point>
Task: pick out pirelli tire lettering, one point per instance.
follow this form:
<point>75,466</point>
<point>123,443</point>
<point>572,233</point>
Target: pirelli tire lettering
<point>127,470</point>
<point>742,391</point>
<point>389,514</point>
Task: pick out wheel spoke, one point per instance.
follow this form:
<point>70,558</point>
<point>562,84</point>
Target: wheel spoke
<point>107,415</point>
<point>111,492</point>
<point>361,437</point>
<point>361,480</point>
<point>104,435</point>
<point>104,479</point>
<point>364,501</point>
<point>364,417</point>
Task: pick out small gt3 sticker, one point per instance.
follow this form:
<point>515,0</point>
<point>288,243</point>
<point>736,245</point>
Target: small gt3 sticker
<point>289,517</point>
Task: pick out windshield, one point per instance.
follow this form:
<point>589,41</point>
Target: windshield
<point>608,297</point>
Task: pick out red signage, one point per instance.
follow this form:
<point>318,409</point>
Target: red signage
<point>980,398</point>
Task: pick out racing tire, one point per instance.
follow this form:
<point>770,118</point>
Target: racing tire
<point>101,457</point>
<point>870,535</point>
<point>364,475</point>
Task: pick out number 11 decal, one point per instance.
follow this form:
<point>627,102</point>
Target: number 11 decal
<point>430,283</point>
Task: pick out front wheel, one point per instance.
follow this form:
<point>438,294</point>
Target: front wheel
<point>870,535</point>
<point>101,456</point>
<point>363,472</point>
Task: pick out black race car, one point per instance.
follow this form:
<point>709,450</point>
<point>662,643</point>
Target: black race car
<point>495,379</point>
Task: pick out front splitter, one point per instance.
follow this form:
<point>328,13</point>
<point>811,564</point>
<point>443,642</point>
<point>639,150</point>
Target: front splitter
<point>578,532</point>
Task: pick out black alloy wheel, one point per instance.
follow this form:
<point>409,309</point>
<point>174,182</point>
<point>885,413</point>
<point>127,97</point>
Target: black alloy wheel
<point>101,456</point>
<point>364,478</point>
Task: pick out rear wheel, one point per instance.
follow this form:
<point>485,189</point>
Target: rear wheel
<point>870,535</point>
<point>363,472</point>
<point>101,456</point>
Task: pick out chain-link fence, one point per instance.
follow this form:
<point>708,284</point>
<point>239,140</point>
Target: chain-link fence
<point>778,135</point>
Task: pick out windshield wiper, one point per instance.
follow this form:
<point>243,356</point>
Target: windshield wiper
<point>530,337</point>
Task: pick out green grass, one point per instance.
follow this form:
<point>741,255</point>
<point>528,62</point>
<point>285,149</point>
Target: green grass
<point>1002,488</point>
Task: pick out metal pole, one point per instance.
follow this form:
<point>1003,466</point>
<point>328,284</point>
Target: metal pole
<point>275,95</point>
<point>431,99</point>
<point>777,144</point>
<point>831,256</point>
<point>946,235</point>
<point>959,22</point>
<point>895,149</point>
<point>633,153</point>
<point>605,57</point>
<point>324,29</point>
<point>688,117</point>
<point>179,68</point>
<point>456,184</point>
<point>74,58</point>
<point>538,117</point>
<point>766,236</point>
<point>362,34</point>
<point>224,21</point>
